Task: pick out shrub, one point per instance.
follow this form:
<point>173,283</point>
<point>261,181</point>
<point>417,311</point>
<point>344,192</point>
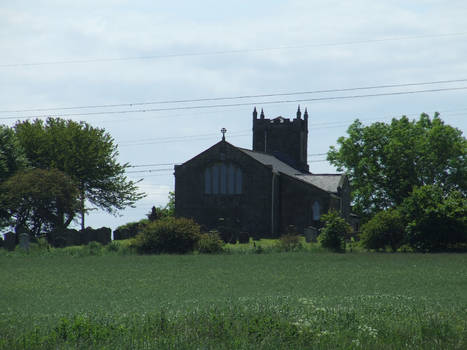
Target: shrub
<point>168,235</point>
<point>228,230</point>
<point>289,242</point>
<point>385,229</point>
<point>95,248</point>
<point>436,221</point>
<point>210,243</point>
<point>334,232</point>
<point>130,229</point>
<point>113,246</point>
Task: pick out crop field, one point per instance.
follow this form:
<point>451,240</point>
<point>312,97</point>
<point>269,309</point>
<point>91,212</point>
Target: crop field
<point>299,300</point>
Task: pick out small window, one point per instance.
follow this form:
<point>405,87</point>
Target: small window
<point>316,211</point>
<point>223,178</point>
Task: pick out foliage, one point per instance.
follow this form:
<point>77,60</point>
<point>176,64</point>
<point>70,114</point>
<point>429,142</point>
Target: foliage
<point>130,229</point>
<point>88,155</point>
<point>386,228</point>
<point>289,243</point>
<point>39,200</point>
<point>210,243</point>
<point>163,212</point>
<point>334,232</point>
<point>95,248</point>
<point>436,221</point>
<point>168,235</point>
<point>12,157</point>
<point>113,246</point>
<point>385,161</point>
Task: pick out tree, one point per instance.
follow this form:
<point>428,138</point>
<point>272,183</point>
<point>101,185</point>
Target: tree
<point>168,210</point>
<point>435,221</point>
<point>39,200</point>
<point>386,161</point>
<point>12,157</point>
<point>386,228</point>
<point>88,155</point>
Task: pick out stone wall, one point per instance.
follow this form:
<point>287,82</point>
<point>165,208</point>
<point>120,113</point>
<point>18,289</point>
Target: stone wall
<point>249,211</point>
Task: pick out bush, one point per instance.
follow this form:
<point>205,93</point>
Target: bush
<point>113,246</point>
<point>334,232</point>
<point>436,221</point>
<point>130,230</point>
<point>168,235</point>
<point>210,243</point>
<point>289,242</point>
<point>385,229</point>
<point>95,248</point>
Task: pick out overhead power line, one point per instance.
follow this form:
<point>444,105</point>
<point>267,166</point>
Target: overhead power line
<point>165,164</point>
<point>370,87</point>
<point>227,52</point>
<point>246,104</point>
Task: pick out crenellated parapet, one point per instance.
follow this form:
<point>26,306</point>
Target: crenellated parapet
<point>285,138</point>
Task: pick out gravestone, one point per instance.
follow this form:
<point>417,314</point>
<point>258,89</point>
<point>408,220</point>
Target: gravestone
<point>10,241</point>
<point>311,234</point>
<point>24,241</point>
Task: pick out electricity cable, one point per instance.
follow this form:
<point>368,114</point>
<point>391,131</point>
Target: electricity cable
<point>330,98</point>
<point>227,52</point>
<point>371,87</point>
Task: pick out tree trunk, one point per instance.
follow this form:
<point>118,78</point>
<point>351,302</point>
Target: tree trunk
<point>83,209</point>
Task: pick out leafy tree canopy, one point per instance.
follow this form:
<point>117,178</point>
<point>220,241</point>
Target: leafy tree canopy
<point>12,157</point>
<point>386,161</point>
<point>39,200</point>
<point>435,220</point>
<point>87,154</point>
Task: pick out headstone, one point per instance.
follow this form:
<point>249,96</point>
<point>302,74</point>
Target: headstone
<point>311,234</point>
<point>24,241</point>
<point>10,241</point>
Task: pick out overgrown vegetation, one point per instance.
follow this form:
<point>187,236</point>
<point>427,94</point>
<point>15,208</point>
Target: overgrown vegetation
<point>210,243</point>
<point>168,235</point>
<point>428,220</point>
<point>385,229</point>
<point>334,232</point>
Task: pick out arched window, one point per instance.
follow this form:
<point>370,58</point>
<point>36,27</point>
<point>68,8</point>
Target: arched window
<point>223,178</point>
<point>316,211</point>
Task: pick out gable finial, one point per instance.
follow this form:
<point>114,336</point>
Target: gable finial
<point>299,113</point>
<point>255,113</point>
<point>262,114</point>
<point>223,131</point>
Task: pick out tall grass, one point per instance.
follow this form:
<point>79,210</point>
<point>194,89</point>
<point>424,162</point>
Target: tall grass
<point>244,301</point>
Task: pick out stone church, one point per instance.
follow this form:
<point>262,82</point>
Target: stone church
<point>262,191</point>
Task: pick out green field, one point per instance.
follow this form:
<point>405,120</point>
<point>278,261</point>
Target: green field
<point>299,300</point>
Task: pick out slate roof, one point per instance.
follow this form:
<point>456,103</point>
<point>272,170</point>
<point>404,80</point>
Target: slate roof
<point>267,159</point>
<point>326,182</point>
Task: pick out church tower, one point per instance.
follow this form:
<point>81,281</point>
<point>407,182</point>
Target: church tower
<point>283,138</point>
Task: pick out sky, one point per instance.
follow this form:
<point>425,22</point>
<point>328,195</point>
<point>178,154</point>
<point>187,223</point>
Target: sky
<point>150,57</point>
